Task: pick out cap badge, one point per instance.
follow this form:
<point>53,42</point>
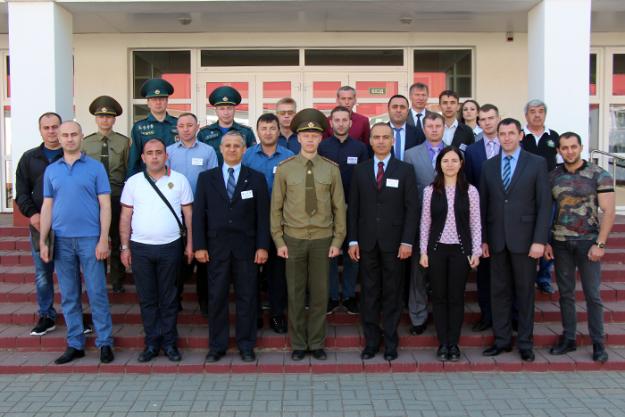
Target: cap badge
<point>311,124</point>
<point>157,91</point>
<point>225,98</point>
<point>104,109</point>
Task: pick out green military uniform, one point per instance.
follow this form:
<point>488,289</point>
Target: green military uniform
<point>308,220</point>
<point>150,127</point>
<point>112,151</point>
<point>212,134</point>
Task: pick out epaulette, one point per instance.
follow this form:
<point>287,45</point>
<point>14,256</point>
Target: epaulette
<point>287,160</point>
<point>329,160</point>
<point>88,136</point>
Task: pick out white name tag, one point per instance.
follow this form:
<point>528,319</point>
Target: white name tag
<point>247,194</point>
<point>274,169</point>
<point>352,160</point>
<point>197,161</point>
<point>463,147</point>
<point>392,183</point>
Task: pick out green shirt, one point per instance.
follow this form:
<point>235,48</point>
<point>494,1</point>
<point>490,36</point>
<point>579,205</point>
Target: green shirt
<point>119,146</point>
<point>288,202</point>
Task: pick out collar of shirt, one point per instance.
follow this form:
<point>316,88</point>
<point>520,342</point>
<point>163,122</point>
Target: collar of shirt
<point>527,131</point>
<point>514,155</point>
<point>180,144</point>
<point>431,148</point>
<point>291,136</point>
<point>303,160</point>
<point>224,170</point>
<point>83,157</point>
<point>402,128</point>
<point>453,125</point>
<point>489,140</point>
<point>384,161</point>
<point>338,141</point>
<point>167,119</point>
<point>258,149</point>
<point>578,170</point>
<point>414,114</point>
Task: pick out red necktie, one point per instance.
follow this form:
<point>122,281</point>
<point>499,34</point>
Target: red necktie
<point>378,177</point>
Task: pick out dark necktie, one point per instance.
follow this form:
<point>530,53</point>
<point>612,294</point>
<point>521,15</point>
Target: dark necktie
<point>231,183</point>
<point>311,196</point>
<point>104,153</point>
<point>380,175</point>
<point>507,172</point>
<point>418,124</point>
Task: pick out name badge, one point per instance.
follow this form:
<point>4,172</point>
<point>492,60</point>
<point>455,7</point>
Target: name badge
<point>352,160</point>
<point>247,194</point>
<point>274,169</point>
<point>392,183</point>
<point>197,161</point>
<point>463,147</point>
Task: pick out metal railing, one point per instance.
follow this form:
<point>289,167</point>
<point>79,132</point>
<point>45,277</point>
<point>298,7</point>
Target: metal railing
<point>615,161</point>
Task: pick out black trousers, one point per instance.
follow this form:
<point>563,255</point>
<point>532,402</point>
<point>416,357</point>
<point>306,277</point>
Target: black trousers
<point>155,269</point>
<point>483,289</point>
<point>512,281</point>
<point>201,285</point>
<point>118,271</point>
<point>449,269</point>
<point>382,284</point>
<point>244,275</point>
<point>273,273</point>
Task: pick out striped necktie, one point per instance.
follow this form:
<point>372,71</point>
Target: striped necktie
<point>231,183</point>
<point>507,172</point>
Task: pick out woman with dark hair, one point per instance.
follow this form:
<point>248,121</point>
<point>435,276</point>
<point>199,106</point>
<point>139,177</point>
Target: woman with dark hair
<point>469,112</point>
<point>451,239</point>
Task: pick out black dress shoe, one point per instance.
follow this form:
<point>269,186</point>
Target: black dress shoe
<point>368,353</point>
<point>69,355</point>
<point>172,353</point>
<point>527,355</point>
<point>148,354</point>
<point>278,324</point>
<point>214,355</point>
<point>417,330</point>
<point>298,355</point>
<point>481,325</point>
<point>454,353</point>
<point>319,354</point>
<point>495,350</point>
<point>390,355</point>
<point>442,353</point>
<point>598,353</point>
<point>248,356</point>
<point>106,354</point>
<point>564,346</point>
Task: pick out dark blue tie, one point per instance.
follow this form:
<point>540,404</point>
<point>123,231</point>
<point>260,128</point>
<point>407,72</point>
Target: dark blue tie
<point>398,146</point>
<point>507,172</point>
<point>231,183</point>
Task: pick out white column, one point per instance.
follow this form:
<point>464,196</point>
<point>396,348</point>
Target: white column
<point>558,62</point>
<point>40,49</point>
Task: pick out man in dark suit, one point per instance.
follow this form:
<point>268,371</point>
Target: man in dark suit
<point>383,213</point>
<point>231,233</point>
<point>419,94</point>
<point>486,147</point>
<point>516,206</point>
<point>542,141</point>
<point>404,136</point>
<point>456,134</point>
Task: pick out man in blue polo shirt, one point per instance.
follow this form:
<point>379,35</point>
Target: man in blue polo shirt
<point>347,153</point>
<point>264,158</point>
<point>77,207</point>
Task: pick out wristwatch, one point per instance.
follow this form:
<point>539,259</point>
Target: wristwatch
<point>600,245</point>
<point>123,247</point>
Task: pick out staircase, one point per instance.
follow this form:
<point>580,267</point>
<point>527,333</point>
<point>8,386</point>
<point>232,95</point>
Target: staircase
<point>22,353</point>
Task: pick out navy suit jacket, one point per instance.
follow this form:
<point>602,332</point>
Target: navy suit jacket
<point>238,227</point>
<point>463,136</point>
<point>474,157</point>
<point>412,139</point>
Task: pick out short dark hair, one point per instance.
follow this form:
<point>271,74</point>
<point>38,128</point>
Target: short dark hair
<point>49,114</point>
<point>433,116</point>
<point>152,140</point>
<point>448,93</point>
<point>510,121</point>
<point>419,86</point>
<point>185,114</point>
<point>488,107</point>
<point>338,109</point>
<point>567,135</point>
<point>397,96</point>
<point>267,118</point>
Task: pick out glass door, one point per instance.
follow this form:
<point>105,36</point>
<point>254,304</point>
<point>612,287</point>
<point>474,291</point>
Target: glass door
<point>373,91</point>
<point>243,83</point>
<point>320,89</point>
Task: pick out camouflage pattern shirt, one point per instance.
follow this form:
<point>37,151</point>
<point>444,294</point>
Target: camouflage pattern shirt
<point>577,205</point>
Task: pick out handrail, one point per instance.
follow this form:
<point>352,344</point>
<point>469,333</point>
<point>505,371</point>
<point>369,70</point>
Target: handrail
<point>609,155</point>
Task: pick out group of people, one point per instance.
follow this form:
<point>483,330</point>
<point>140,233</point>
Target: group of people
<point>407,207</point>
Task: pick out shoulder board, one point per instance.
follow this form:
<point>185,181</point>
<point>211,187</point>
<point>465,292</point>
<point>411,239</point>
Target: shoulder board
<point>287,160</point>
<point>88,136</point>
<point>329,160</point>
<point>121,135</point>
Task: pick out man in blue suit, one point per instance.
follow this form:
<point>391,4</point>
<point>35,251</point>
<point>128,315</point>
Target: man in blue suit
<point>485,147</point>
<point>231,233</point>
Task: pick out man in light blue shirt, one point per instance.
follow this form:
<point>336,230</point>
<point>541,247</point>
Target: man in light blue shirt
<point>190,157</point>
<point>265,157</point>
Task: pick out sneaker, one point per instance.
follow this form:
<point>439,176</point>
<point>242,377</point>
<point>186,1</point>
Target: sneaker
<point>332,305</point>
<point>351,306</point>
<point>44,325</point>
<point>87,328</point>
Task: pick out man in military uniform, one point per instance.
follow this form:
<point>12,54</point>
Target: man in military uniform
<point>308,227</point>
<point>111,149</point>
<point>158,125</point>
<point>225,99</point>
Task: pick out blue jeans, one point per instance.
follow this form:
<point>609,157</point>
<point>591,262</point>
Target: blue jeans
<point>70,255</point>
<point>350,272</point>
<point>43,284</point>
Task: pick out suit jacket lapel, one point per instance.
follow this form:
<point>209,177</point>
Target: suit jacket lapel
<point>217,179</point>
<point>372,173</point>
<point>517,170</point>
<point>241,183</point>
<point>425,158</point>
<point>390,170</point>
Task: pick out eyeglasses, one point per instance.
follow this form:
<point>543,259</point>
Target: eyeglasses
<point>285,113</point>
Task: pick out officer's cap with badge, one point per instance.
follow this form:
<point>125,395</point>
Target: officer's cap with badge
<point>156,87</point>
<point>224,96</point>
<point>307,120</point>
<point>105,106</point>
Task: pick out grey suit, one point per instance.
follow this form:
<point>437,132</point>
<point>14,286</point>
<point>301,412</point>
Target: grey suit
<point>419,158</point>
